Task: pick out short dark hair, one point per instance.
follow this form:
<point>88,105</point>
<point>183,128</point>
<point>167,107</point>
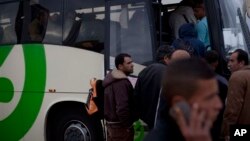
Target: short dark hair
<point>119,59</point>
<point>164,50</point>
<point>211,56</point>
<point>197,3</point>
<point>182,76</point>
<point>242,56</point>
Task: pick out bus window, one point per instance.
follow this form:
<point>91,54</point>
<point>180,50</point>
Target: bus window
<point>79,24</point>
<point>130,22</point>
<point>38,25</point>
<point>84,25</point>
<point>31,22</point>
<point>7,23</point>
<point>53,33</point>
<point>54,29</point>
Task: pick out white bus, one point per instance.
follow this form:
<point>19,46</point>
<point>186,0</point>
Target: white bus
<point>50,49</point>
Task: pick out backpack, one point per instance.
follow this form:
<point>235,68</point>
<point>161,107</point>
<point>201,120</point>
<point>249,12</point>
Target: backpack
<point>95,101</point>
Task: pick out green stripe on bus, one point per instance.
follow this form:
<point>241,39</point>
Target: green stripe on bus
<point>6,86</point>
<point>18,123</point>
<point>4,52</point>
<point>6,90</point>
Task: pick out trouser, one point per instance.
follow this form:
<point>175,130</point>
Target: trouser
<point>116,133</point>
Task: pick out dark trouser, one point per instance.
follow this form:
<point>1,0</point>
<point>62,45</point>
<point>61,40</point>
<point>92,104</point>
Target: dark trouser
<point>116,133</point>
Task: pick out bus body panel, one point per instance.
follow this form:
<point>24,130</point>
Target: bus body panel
<point>37,131</point>
<point>70,69</point>
<point>68,72</point>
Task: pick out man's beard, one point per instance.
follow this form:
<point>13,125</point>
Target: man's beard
<point>128,73</point>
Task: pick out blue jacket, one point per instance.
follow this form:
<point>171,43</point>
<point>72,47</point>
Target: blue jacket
<point>202,30</point>
<point>188,36</point>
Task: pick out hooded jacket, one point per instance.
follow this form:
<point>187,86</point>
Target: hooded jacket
<point>189,36</point>
<point>118,99</point>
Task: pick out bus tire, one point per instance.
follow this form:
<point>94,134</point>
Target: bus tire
<point>74,125</point>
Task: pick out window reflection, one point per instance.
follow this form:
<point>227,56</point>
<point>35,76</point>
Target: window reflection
<point>84,26</point>
<point>38,25</point>
<point>234,23</point>
<point>130,32</point>
<point>7,23</point>
<point>80,25</point>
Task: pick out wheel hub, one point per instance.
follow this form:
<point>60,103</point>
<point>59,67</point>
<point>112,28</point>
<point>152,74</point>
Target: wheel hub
<point>76,132</point>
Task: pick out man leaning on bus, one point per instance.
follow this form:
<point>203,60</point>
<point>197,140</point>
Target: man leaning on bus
<point>119,110</point>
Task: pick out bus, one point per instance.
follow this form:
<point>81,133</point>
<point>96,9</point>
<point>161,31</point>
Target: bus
<point>50,49</point>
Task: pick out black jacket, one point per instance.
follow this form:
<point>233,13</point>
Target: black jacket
<point>168,131</point>
<point>147,91</point>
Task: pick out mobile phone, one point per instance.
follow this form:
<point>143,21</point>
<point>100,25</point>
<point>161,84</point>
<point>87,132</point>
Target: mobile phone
<point>184,107</point>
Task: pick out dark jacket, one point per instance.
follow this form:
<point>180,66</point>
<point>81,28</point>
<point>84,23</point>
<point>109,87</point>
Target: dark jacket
<point>188,35</point>
<point>118,99</point>
<point>165,126</point>
<point>169,131</point>
<point>147,91</point>
<point>216,129</point>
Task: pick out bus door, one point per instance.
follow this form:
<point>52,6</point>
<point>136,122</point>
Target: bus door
<point>129,30</point>
<point>229,28</point>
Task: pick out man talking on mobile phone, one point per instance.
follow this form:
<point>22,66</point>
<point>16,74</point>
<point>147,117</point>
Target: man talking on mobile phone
<point>191,94</point>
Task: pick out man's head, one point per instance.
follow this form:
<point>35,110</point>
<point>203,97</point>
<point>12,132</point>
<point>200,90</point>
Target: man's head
<point>238,59</point>
<point>193,81</point>
<point>124,63</point>
<point>199,9</point>
<point>164,53</point>
<point>212,58</point>
<point>179,54</point>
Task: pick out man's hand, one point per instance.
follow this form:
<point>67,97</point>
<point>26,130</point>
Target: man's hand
<point>197,128</point>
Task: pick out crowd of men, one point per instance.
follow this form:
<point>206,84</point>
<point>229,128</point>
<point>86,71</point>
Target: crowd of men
<point>180,96</point>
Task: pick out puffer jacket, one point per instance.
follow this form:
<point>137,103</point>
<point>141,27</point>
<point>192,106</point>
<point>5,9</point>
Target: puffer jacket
<point>118,99</point>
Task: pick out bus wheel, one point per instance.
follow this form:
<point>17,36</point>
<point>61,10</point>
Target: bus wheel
<point>76,130</point>
<point>75,125</point>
